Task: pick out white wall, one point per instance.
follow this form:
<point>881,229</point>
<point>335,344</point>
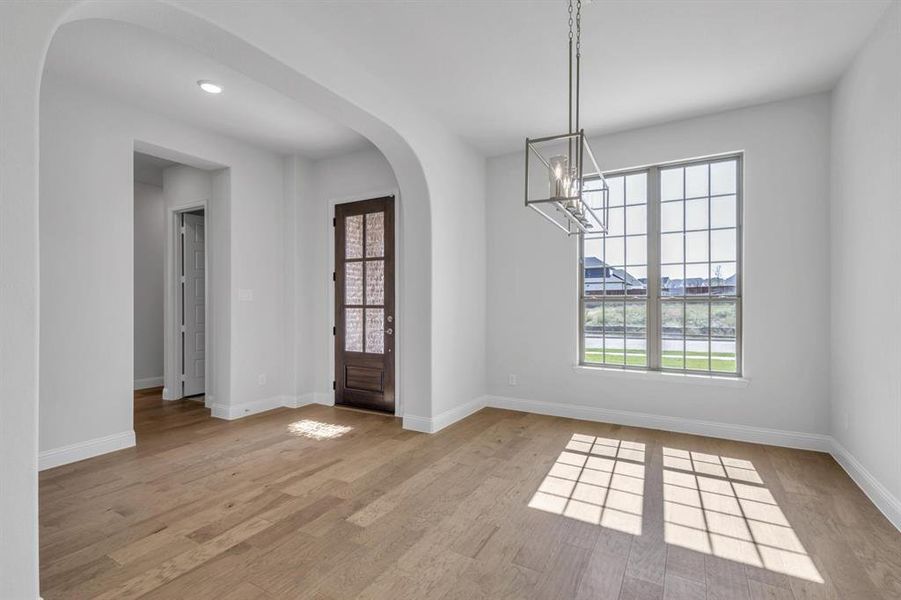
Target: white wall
<point>458,352</point>
<point>149,261</point>
<point>865,256</point>
<point>86,223</point>
<point>275,52</point>
<point>317,186</point>
<point>24,35</point>
<point>532,277</point>
<point>459,288</point>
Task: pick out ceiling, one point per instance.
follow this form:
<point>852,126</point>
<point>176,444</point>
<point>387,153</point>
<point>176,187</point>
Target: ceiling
<point>494,71</point>
<point>160,75</point>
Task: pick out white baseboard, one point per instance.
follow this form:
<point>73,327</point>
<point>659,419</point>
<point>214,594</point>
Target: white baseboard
<point>324,398</point>
<point>741,433</point>
<point>230,412</point>
<point>885,501</point>
<point>82,450</point>
<point>444,419</point>
<point>148,382</point>
<point>298,401</point>
<point>245,409</point>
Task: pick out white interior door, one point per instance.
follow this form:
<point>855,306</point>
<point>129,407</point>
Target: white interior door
<point>193,305</point>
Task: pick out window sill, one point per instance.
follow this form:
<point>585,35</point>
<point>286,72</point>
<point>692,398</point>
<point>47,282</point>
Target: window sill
<point>644,375</point>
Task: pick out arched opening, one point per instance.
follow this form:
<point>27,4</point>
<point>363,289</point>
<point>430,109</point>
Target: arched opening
<point>405,180</point>
<point>414,284</point>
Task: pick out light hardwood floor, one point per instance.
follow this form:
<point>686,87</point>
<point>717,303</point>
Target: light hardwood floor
<point>325,503</point>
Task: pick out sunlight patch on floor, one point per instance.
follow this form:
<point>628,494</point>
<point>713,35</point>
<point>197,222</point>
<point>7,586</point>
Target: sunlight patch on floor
<point>317,430</point>
<point>720,506</point>
<point>596,480</point>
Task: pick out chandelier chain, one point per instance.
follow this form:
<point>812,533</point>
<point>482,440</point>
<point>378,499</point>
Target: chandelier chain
<point>578,27</point>
<point>571,19</point>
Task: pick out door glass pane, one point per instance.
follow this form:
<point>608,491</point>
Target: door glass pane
<point>375,234</point>
<point>353,283</point>
<point>353,329</point>
<point>375,334</point>
<point>353,236</point>
<point>375,282</point>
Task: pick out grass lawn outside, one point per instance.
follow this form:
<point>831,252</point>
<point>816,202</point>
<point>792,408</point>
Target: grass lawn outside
<point>719,361</point>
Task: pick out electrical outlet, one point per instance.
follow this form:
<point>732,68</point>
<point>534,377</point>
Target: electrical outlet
<point>261,379</point>
<point>511,379</point>
<point>245,295</point>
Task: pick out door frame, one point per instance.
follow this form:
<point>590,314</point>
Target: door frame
<point>398,287</point>
<point>172,310</point>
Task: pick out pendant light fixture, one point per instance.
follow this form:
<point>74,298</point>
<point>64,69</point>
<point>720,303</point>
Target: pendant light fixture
<point>563,181</point>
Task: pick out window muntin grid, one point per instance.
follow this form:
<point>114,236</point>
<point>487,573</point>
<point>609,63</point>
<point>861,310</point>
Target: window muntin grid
<point>615,278</point>
<point>689,307</point>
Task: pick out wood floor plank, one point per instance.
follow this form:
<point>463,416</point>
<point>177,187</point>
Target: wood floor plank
<point>258,508</point>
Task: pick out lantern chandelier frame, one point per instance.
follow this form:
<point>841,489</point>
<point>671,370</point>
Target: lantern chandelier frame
<point>565,184</point>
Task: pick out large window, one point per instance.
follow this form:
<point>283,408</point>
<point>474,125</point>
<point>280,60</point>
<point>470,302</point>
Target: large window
<point>661,290</point>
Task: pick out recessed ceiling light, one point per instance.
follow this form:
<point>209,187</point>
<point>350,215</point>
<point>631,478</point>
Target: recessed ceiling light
<point>209,87</point>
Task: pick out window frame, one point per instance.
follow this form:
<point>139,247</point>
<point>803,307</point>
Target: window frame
<point>655,300</point>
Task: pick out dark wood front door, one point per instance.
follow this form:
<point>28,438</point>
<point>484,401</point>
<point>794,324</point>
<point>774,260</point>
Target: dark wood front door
<point>365,323</point>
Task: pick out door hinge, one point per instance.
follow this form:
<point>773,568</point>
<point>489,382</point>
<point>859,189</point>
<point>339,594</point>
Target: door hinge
<point>183,329</point>
<point>334,221</point>
<point>334,276</point>
<point>182,278</point>
<point>182,229</point>
<point>182,377</point>
<point>334,385</point>
<point>334,331</point>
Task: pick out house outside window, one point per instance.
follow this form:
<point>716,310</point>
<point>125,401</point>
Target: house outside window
<point>661,290</point>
